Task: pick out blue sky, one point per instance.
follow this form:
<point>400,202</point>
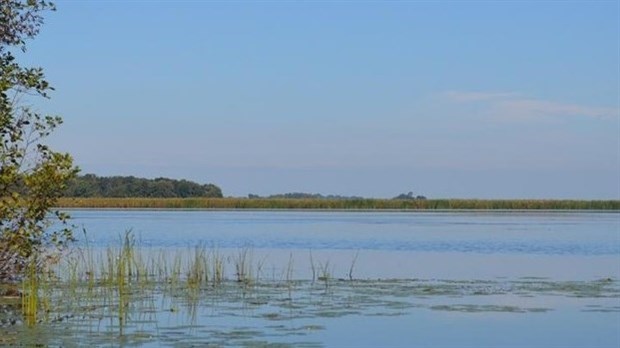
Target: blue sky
<point>478,99</point>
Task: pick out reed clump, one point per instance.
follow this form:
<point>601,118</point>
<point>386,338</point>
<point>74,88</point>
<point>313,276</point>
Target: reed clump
<point>128,267</point>
<point>116,281</point>
<point>30,295</point>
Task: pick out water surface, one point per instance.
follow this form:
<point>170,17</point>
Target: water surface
<point>565,245</point>
<point>449,279</point>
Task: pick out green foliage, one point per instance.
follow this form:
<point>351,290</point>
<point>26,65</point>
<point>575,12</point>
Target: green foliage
<point>32,176</point>
<point>90,185</point>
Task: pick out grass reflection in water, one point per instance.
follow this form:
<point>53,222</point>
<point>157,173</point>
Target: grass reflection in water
<point>129,296</point>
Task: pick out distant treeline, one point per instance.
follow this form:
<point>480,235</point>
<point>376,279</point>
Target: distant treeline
<point>409,196</point>
<point>337,204</point>
<point>91,185</point>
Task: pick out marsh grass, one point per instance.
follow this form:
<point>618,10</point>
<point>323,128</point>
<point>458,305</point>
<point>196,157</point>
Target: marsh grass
<point>312,267</point>
<point>353,265</point>
<point>198,268</point>
<point>325,273</point>
<point>30,294</point>
<point>106,281</point>
<point>118,295</point>
<point>243,266</point>
<point>334,204</point>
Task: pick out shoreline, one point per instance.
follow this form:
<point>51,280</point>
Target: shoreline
<point>310,210</point>
<point>322,205</point>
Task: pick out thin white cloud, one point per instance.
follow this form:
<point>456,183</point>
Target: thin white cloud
<point>459,96</point>
<point>533,107</point>
<point>511,105</point>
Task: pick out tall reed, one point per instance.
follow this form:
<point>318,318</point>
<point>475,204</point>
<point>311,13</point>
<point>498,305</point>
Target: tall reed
<point>338,204</point>
<point>30,294</point>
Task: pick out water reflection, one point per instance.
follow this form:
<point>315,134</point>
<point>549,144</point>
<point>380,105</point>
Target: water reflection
<point>306,313</point>
<point>309,279</point>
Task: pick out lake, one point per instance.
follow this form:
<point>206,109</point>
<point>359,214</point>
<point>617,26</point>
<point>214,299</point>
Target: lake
<point>450,279</point>
<point>455,245</point>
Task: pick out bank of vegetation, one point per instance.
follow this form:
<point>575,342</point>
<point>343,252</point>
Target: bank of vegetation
<point>91,185</point>
<point>336,204</point>
<point>92,191</point>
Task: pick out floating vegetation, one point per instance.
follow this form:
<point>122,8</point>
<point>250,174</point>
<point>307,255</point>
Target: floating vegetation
<point>472,308</point>
<point>127,295</point>
<point>158,312</point>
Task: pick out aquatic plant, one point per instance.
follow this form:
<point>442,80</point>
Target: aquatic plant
<point>30,295</point>
<point>312,267</point>
<point>197,270</point>
<point>325,273</point>
<point>242,266</point>
<point>120,305</point>
<point>218,268</point>
<point>337,204</point>
<point>353,265</point>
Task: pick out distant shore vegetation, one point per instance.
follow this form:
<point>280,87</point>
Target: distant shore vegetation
<point>335,204</point>
<point>91,185</point>
<point>303,195</point>
<point>122,192</point>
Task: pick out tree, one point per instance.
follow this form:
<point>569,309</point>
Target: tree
<point>91,185</point>
<point>409,196</point>
<point>32,176</point>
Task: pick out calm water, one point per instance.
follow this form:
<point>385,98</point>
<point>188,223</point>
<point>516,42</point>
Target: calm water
<point>460,279</point>
<point>582,234</point>
<point>436,245</point>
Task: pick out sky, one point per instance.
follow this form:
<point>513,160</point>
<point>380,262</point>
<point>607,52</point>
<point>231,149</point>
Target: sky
<point>447,99</point>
